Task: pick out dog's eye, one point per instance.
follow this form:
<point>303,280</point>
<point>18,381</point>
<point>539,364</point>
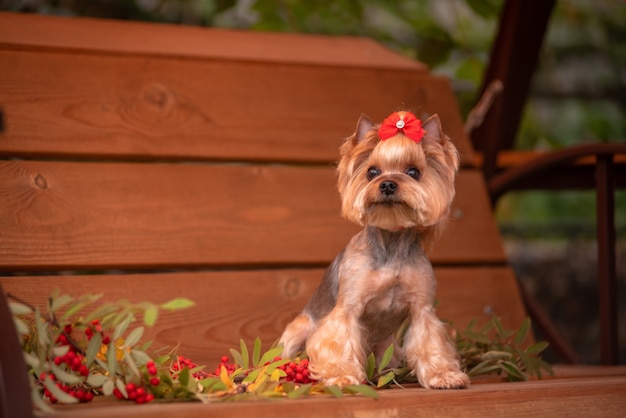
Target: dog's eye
<point>413,172</point>
<point>372,172</point>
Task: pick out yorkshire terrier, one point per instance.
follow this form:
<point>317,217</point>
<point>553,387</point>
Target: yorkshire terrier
<point>396,179</point>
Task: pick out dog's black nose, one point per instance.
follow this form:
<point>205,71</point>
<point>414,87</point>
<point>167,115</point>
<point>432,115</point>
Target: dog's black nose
<point>388,187</point>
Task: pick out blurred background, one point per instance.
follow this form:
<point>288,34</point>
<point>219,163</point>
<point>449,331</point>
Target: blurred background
<point>578,95</point>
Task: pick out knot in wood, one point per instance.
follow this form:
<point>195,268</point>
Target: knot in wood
<point>40,181</point>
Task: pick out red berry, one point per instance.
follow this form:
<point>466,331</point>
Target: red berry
<point>299,377</point>
<point>83,370</point>
<point>130,387</point>
<point>149,397</point>
<point>88,397</point>
<point>140,391</point>
<point>224,359</point>
<point>118,394</point>
<point>155,381</point>
<point>106,340</point>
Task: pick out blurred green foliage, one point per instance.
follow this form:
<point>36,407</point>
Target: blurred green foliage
<point>578,93</point>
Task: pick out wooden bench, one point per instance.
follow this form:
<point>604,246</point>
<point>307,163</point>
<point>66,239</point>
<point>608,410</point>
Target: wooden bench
<point>149,161</point>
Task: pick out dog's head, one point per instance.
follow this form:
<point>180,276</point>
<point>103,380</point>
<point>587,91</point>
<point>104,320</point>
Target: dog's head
<point>398,174</point>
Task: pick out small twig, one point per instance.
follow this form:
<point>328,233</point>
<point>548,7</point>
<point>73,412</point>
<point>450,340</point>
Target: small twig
<point>476,116</point>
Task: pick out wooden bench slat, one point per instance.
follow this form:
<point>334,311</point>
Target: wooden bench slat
<point>61,215</point>
<point>556,398</point>
<point>169,109</point>
<point>114,36</point>
<point>249,304</point>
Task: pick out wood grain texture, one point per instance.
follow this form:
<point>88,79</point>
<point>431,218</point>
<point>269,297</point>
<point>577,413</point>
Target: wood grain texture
<point>247,304</point>
<point>137,107</point>
<point>60,215</point>
<point>137,38</point>
<point>589,397</point>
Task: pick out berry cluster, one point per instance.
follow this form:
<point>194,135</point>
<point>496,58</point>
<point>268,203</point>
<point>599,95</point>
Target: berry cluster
<point>139,394</point>
<point>297,371</point>
<point>185,363</point>
<point>79,391</point>
<point>230,367</point>
<point>73,360</point>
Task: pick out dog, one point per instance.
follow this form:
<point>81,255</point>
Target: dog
<point>395,179</point>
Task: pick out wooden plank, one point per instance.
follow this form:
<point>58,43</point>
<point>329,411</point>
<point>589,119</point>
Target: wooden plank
<point>247,304</point>
<point>172,109</point>
<point>137,38</point>
<point>61,215</point>
<point>591,397</point>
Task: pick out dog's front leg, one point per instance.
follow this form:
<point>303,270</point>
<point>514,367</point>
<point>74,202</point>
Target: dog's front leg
<point>431,354</point>
<point>336,349</point>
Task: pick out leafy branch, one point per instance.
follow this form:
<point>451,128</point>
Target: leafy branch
<point>78,348</point>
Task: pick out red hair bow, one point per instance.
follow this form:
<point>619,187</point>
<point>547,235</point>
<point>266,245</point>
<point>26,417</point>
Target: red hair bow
<point>404,122</point>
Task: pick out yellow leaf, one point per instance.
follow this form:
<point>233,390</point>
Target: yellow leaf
<point>224,377</point>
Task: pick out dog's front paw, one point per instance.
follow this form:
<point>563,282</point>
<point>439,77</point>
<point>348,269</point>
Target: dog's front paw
<point>445,379</point>
<point>342,381</point>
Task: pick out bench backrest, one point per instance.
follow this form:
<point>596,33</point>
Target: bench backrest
<point>152,161</point>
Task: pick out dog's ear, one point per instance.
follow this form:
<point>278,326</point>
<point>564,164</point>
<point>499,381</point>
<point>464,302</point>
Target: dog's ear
<point>433,134</point>
<point>432,129</point>
<point>362,127</point>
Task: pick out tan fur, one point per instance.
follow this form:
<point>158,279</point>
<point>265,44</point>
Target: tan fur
<point>383,277</point>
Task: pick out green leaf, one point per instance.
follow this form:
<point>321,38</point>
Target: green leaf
<point>58,393</point>
<point>302,390</point>
<point>178,303</point>
<point>521,334</point>
<point>133,367</point>
<point>150,315</point>
<point>140,357</point>
<point>183,377</point>
<point>112,358</point>
<point>496,355</point>
<point>385,379</point>
<point>365,390</point>
<point>371,366</point>
<point>244,354</point>
<point>93,348</point>
<point>251,377</point>
<point>21,326</point>
<point>497,324</point>
<point>108,386</point>
<point>134,337</point>
<point>122,326</point>
<point>65,377</point>
<point>212,384</point>
<point>98,380</point>
<point>269,369</point>
<point>386,358</point>
<point>334,390</point>
<point>476,336</point>
<point>256,352</point>
<point>236,356</point>
<point>42,329</point>
<point>513,371</point>
<point>19,308</point>
<point>270,354</point>
<point>101,312</point>
<point>59,302</point>
<point>31,360</point>
<point>537,347</point>
<point>121,386</point>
